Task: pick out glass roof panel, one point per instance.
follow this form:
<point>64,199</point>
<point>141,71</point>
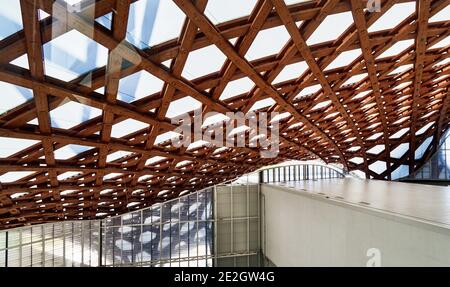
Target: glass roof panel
<point>290,2</point>
<point>111,175</point>
<point>154,160</point>
<point>70,151</point>
<point>21,61</point>
<point>442,44</point>
<point>355,79</point>
<point>105,20</point>
<point>443,62</point>
<point>214,118</point>
<point>127,127</point>
<point>138,85</point>
<point>309,90</point>
<point>268,42</point>
<point>12,146</point>
<point>116,155</point>
<point>443,15</point>
<point>14,175</point>
<point>401,69</point>
<point>166,136</point>
<point>72,2</point>
<point>70,114</point>
<point>182,106</point>
<point>152,22</point>
<point>393,16</point>
<point>10,18</point>
<point>237,87</point>
<point>43,14</point>
<point>331,28</point>
<point>219,11</point>
<point>397,48</point>
<point>66,175</point>
<point>73,54</point>
<point>344,59</point>
<point>292,71</point>
<point>262,104</point>
<point>13,96</point>
<point>211,59</point>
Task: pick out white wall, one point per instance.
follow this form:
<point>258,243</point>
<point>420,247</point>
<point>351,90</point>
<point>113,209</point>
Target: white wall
<point>309,230</point>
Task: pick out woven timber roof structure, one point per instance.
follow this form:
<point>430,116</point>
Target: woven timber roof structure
<point>88,89</point>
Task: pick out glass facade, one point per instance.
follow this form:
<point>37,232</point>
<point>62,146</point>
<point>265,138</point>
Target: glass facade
<point>299,172</point>
<point>193,230</point>
<point>70,244</point>
<point>175,233</point>
<point>438,166</point>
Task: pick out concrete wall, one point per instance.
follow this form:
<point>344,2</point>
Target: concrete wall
<point>302,229</point>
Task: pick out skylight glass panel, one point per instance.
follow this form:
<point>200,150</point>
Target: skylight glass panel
<point>219,11</point>
<point>127,127</point>
<point>402,85</point>
<point>331,28</point>
<point>21,61</point>
<point>321,105</point>
<point>216,118</point>
<point>401,69</point>
<point>262,104</point>
<point>182,106</point>
<point>309,90</point>
<point>198,144</point>
<point>137,86</point>
<point>344,59</point>
<point>14,176</point>
<point>393,16</point>
<point>396,49</point>
<point>203,61</point>
<point>42,14</point>
<point>166,136</point>
<point>152,22</point>
<point>116,155</point>
<point>355,79</point>
<point>292,71</point>
<point>237,87</point>
<point>361,95</point>
<point>10,146</point>
<point>67,175</point>
<point>71,114</point>
<point>291,2</point>
<point>70,151</point>
<point>10,18</point>
<point>378,166</point>
<point>154,160</point>
<point>105,20</point>
<point>72,2</point>
<point>111,175</point>
<point>442,44</point>
<point>268,42</point>
<point>357,160</point>
<point>376,149</point>
<point>399,151</point>
<point>424,128</point>
<point>443,15</point>
<point>443,62</point>
<point>12,96</point>
<point>420,151</point>
<point>73,54</point>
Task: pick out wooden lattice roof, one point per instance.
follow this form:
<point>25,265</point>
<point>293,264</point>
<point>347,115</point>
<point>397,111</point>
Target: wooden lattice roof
<point>84,136</point>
